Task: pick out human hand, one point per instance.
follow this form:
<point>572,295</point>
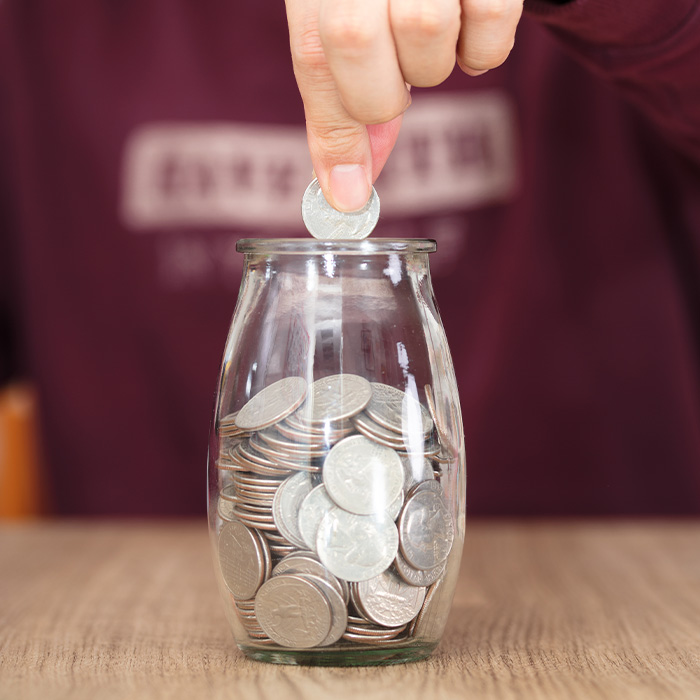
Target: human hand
<point>355,61</point>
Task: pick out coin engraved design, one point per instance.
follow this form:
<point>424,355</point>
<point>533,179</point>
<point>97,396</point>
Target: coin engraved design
<point>272,404</point>
<point>388,600</point>
<point>416,470</point>
<point>398,411</point>
<point>305,563</point>
<point>286,504</point>
<point>426,528</point>
<point>362,476</point>
<point>356,547</point>
<point>334,398</point>
<point>325,222</point>
<point>339,611</point>
<point>241,559</point>
<point>316,504</point>
<point>225,510</point>
<point>417,577</point>
<point>394,508</point>
<point>293,611</point>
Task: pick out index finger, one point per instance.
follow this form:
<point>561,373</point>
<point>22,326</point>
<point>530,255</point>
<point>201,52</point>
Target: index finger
<point>340,147</point>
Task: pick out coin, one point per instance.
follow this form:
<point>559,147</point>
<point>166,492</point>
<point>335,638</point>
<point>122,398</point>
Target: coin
<point>417,577</point>
<point>267,558</point>
<point>241,559</point>
<point>286,504</point>
<point>394,508</point>
<point>339,613</point>
<point>426,529</point>
<point>416,470</point>
<point>325,222</point>
<point>301,562</point>
<point>316,504</point>
<point>293,611</point>
<point>388,600</point>
<point>362,476</point>
<point>356,547</point>
<point>335,398</point>
<point>225,510</point>
<point>272,404</point>
<point>374,430</point>
<point>398,411</point>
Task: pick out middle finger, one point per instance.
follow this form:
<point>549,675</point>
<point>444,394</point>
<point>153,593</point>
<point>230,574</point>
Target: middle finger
<point>359,47</point>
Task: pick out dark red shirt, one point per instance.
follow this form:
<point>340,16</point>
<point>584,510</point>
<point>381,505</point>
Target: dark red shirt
<point>140,139</point>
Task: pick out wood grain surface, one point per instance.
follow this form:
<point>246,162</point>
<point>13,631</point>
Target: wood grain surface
<point>543,610</point>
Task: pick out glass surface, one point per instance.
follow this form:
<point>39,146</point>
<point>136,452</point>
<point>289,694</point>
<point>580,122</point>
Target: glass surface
<point>361,408</point>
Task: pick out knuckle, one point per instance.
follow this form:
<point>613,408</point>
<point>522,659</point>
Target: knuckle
<point>423,19</point>
<point>307,50</point>
<point>347,31</point>
<point>335,140</point>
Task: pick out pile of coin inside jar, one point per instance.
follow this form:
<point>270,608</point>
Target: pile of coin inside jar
<point>334,526</point>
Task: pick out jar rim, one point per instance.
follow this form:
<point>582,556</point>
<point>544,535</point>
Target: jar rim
<point>314,246</point>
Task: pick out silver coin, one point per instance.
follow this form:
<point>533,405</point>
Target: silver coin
<point>241,560</point>
<point>325,222</point>
<point>287,454</point>
<point>417,577</point>
<point>293,611</point>
<point>273,438</point>
<point>267,558</point>
<point>398,411</point>
<point>319,431</point>
<point>286,504</point>
<point>374,430</point>
<point>430,449</point>
<point>306,563</point>
<point>339,613</point>
<point>334,398</point>
<point>428,485</point>
<point>272,404</point>
<point>225,510</point>
<point>362,476</point>
<point>388,600</point>
<point>416,469</point>
<point>316,504</point>
<point>394,508</point>
<point>426,528</point>
<point>356,547</point>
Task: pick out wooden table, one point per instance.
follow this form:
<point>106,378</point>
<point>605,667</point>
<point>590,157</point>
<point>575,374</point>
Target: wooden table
<point>602,609</point>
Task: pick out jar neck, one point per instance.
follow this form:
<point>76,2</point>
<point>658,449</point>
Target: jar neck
<point>312,246</point>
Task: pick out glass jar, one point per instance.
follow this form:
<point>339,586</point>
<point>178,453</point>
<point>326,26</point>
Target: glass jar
<point>336,461</point>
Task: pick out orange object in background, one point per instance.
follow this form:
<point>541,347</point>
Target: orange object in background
<point>21,490</point>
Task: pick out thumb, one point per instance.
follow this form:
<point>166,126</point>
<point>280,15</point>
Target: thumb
<point>341,155</point>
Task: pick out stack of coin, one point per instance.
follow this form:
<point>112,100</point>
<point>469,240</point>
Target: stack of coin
<point>333,522</point>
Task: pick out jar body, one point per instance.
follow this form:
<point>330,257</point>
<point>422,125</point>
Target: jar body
<point>337,480</point>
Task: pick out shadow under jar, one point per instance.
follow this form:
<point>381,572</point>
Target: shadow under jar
<point>336,462</point>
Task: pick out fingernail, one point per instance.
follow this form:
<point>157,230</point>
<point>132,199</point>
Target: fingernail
<point>349,186</point>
